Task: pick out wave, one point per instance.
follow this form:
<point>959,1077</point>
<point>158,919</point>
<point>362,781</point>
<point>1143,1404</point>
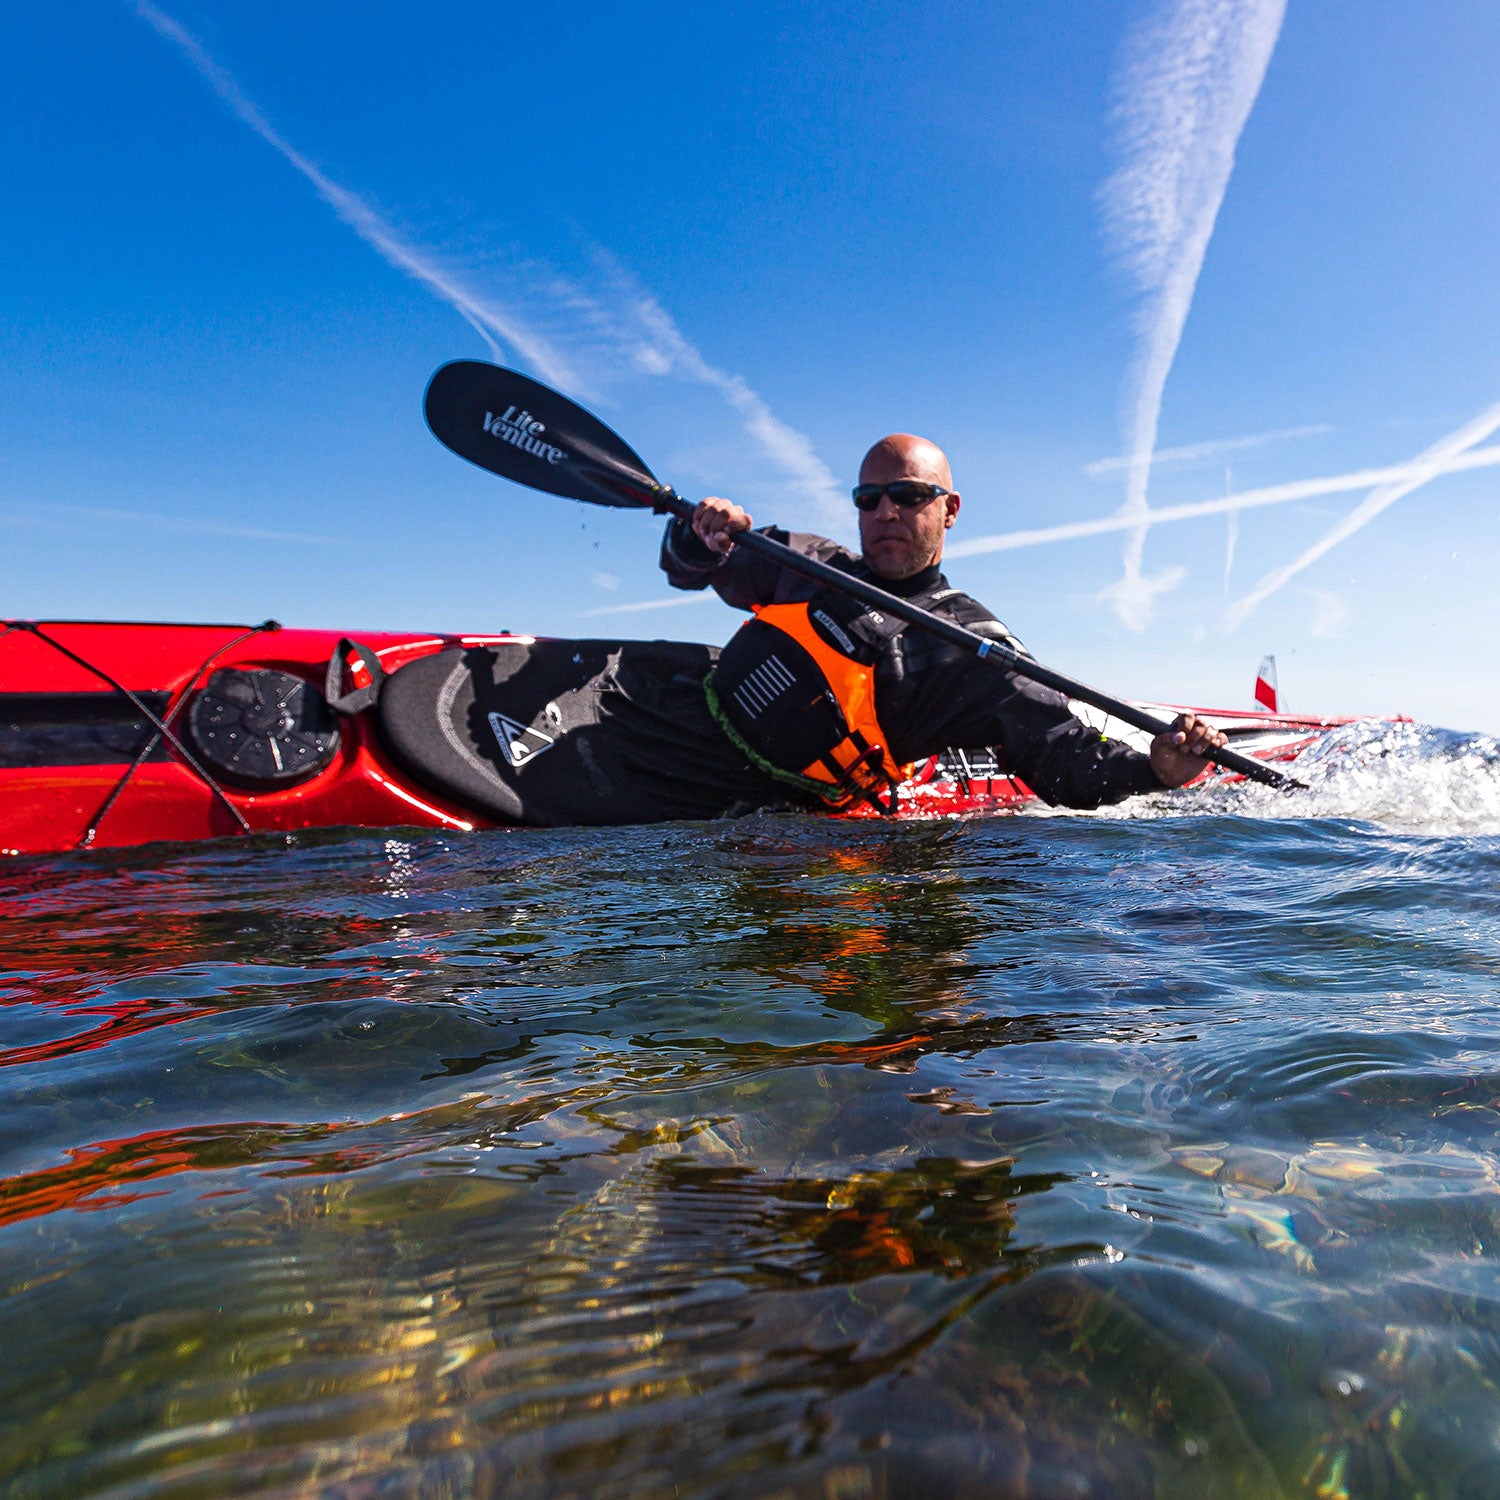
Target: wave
<point>1412,778</point>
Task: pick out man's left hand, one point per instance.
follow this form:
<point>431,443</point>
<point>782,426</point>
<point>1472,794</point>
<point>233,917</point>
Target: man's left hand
<point>1180,754</point>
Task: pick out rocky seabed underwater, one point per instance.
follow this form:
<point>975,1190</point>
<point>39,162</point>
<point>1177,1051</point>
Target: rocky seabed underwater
<point>1146,1153</point>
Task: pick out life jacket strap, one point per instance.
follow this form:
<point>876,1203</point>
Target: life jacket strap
<point>835,796</point>
<point>864,774</point>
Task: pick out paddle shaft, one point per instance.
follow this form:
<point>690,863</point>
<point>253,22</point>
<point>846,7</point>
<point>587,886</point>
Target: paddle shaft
<point>522,430</point>
<point>995,652</point>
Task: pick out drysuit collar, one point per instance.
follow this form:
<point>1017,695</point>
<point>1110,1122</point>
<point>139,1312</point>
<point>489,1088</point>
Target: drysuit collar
<point>930,577</point>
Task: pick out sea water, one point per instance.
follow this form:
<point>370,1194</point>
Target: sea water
<point>1147,1153</point>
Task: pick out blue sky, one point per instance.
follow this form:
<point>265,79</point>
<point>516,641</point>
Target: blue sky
<point>754,238</point>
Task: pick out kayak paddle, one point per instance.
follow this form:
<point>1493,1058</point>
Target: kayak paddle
<point>516,427</point>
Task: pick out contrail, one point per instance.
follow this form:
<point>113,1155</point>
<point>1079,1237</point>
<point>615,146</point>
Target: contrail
<point>1193,452</point>
<point>1444,457</point>
<point>1185,90</point>
<point>487,319</point>
<point>1275,494</point>
<point>1454,455</point>
<point>791,450</point>
<point>1231,544</point>
<point>656,347</point>
<point>96,513</point>
<point>677,601</point>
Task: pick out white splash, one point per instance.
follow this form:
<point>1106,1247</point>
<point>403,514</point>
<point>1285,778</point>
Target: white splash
<point>1403,776</point>
<point>1185,90</point>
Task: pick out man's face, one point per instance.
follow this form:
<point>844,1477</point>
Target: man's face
<point>898,542</point>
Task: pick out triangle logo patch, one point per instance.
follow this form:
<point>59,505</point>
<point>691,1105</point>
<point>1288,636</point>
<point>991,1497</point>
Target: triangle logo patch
<point>519,743</point>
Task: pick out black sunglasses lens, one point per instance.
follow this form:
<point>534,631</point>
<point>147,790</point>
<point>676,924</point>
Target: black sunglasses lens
<point>911,492</point>
<point>907,493</point>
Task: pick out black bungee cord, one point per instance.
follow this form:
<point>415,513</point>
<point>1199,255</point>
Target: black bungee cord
<point>162,727</point>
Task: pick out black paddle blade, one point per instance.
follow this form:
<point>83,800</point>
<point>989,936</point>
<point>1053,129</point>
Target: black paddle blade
<point>517,428</point>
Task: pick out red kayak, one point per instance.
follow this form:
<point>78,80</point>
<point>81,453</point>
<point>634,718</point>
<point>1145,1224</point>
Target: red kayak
<point>120,734</point>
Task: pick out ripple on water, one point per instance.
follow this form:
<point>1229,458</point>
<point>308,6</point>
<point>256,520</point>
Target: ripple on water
<point>1072,1156</point>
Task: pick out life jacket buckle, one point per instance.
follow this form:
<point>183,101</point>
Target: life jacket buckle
<point>865,775</point>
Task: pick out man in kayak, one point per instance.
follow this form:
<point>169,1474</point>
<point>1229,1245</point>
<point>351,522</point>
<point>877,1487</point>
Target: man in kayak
<point>827,695</point>
<point>817,701</point>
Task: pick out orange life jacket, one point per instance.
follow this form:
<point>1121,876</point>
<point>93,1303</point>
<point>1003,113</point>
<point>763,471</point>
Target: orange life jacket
<point>795,690</point>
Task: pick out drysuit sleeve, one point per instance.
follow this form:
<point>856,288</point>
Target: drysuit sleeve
<point>938,697</point>
<point>742,578</point>
<point>1060,758</point>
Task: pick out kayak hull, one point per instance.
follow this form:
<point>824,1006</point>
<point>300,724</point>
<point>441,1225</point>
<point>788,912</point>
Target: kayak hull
<point>83,766</point>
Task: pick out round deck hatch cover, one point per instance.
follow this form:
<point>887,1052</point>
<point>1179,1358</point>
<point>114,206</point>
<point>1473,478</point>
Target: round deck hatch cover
<point>263,728</point>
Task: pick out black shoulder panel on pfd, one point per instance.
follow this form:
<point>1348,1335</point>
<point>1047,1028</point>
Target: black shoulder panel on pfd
<point>777,697</point>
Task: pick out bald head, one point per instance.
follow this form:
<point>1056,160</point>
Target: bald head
<point>903,455</point>
<point>900,541</point>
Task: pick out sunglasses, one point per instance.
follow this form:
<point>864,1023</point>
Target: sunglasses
<point>909,494</point>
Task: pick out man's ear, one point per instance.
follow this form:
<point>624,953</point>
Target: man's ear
<point>952,503</point>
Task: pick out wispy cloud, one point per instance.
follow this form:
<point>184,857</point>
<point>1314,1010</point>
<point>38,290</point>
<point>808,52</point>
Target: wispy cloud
<point>1330,615</point>
<point>1444,457</point>
<point>1231,544</point>
<point>635,328</point>
<point>489,319</point>
<point>1273,494</point>
<point>676,601</point>
<point>1193,453</point>
<point>1185,89</point>
<point>640,324</point>
<point>88,517</point>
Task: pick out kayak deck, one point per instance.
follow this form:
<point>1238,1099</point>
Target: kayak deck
<point>97,743</point>
<point>52,801</point>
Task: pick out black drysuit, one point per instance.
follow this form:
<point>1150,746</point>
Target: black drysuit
<point>570,732</point>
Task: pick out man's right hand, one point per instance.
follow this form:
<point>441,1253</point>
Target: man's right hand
<point>715,521</point>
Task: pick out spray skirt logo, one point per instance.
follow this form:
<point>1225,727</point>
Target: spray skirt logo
<point>524,431</point>
<point>518,743</point>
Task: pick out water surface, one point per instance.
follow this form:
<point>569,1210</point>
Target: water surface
<point>1037,1156</point>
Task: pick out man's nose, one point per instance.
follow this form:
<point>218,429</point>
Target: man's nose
<point>887,509</point>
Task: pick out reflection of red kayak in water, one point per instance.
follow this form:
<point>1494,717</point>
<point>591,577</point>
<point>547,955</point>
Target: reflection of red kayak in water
<point>116,734</point>
<point>111,1173</point>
